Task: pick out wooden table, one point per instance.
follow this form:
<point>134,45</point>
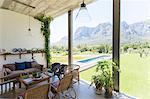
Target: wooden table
<point>29,82</point>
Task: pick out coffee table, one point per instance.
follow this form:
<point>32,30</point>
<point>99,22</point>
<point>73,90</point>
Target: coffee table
<point>29,82</point>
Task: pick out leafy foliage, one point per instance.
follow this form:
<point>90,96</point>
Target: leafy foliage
<point>104,73</point>
<point>45,29</point>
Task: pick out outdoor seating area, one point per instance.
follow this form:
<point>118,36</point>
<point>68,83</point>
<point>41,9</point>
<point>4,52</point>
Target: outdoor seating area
<point>46,81</point>
<point>79,89</point>
<point>51,83</point>
<point>15,70</point>
<point>74,49</point>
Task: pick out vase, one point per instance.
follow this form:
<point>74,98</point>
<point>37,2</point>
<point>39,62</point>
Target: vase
<point>108,92</point>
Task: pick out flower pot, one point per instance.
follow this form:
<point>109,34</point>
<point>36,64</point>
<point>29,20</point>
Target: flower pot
<point>98,89</point>
<point>108,92</point>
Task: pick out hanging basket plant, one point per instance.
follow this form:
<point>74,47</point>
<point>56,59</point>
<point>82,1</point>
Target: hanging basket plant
<point>45,29</point>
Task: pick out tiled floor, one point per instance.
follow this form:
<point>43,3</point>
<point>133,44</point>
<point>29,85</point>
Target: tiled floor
<point>82,89</point>
<point>85,92</point>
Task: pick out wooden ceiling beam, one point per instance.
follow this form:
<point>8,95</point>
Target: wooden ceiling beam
<point>49,7</point>
<point>33,11</point>
<point>30,3</point>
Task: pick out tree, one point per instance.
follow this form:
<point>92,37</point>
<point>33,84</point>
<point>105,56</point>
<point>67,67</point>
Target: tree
<point>125,48</point>
<point>101,49</point>
<point>84,49</point>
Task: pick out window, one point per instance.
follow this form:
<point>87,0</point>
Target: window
<point>59,39</point>
<point>135,57</point>
<point>93,40</point>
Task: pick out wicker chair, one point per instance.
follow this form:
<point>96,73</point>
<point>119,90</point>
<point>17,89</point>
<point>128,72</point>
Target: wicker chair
<point>64,86</point>
<point>76,74</point>
<point>40,92</point>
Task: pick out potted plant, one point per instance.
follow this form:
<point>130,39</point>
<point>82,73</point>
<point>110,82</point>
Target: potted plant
<point>107,72</point>
<point>108,87</point>
<point>106,75</point>
<point>98,81</point>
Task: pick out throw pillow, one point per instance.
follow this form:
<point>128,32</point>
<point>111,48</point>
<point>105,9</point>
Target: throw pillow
<point>20,66</point>
<point>28,65</point>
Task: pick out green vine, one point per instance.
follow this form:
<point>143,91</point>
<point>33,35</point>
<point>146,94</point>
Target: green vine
<point>45,29</point>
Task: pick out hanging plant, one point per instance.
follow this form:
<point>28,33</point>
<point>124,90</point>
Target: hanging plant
<point>45,29</point>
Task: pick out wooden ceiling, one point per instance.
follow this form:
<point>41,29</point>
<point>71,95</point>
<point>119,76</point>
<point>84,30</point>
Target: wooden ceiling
<point>52,8</point>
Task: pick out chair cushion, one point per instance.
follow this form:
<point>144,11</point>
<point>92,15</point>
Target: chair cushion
<point>31,70</point>
<point>20,66</point>
<point>55,84</point>
<point>28,65</point>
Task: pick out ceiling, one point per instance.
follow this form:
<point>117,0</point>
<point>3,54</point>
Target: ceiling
<point>52,8</point>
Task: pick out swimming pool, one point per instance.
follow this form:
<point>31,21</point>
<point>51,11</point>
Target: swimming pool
<point>96,59</point>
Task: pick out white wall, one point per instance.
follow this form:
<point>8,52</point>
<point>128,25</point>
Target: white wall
<point>14,34</point>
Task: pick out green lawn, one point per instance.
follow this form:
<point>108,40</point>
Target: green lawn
<point>135,75</point>
<point>64,58</point>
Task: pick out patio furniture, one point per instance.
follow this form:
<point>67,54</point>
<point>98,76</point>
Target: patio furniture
<point>33,81</point>
<point>38,92</point>
<point>12,72</point>
<point>61,69</point>
<point>76,73</point>
<point>64,85</point>
<point>55,69</point>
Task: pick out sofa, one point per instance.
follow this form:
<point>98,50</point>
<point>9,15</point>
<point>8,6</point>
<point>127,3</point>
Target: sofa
<point>12,71</point>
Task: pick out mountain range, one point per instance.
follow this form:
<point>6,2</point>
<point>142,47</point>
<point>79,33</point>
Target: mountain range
<point>102,34</point>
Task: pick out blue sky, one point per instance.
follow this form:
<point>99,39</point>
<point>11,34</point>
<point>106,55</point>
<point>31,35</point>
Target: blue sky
<point>101,11</point>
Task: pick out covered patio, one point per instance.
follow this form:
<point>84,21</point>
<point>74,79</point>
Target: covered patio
<point>26,10</point>
<point>80,90</point>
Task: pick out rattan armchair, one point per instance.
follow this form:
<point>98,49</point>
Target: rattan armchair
<point>64,86</point>
<point>39,92</point>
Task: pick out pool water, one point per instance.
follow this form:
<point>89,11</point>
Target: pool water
<point>95,59</point>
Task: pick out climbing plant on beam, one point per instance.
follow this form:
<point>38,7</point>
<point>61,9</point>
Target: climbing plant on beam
<point>45,29</point>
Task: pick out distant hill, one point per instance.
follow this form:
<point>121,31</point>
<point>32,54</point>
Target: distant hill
<point>102,34</point>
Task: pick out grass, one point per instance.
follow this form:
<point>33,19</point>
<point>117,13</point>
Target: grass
<point>64,58</point>
<point>86,75</point>
<point>134,77</point>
